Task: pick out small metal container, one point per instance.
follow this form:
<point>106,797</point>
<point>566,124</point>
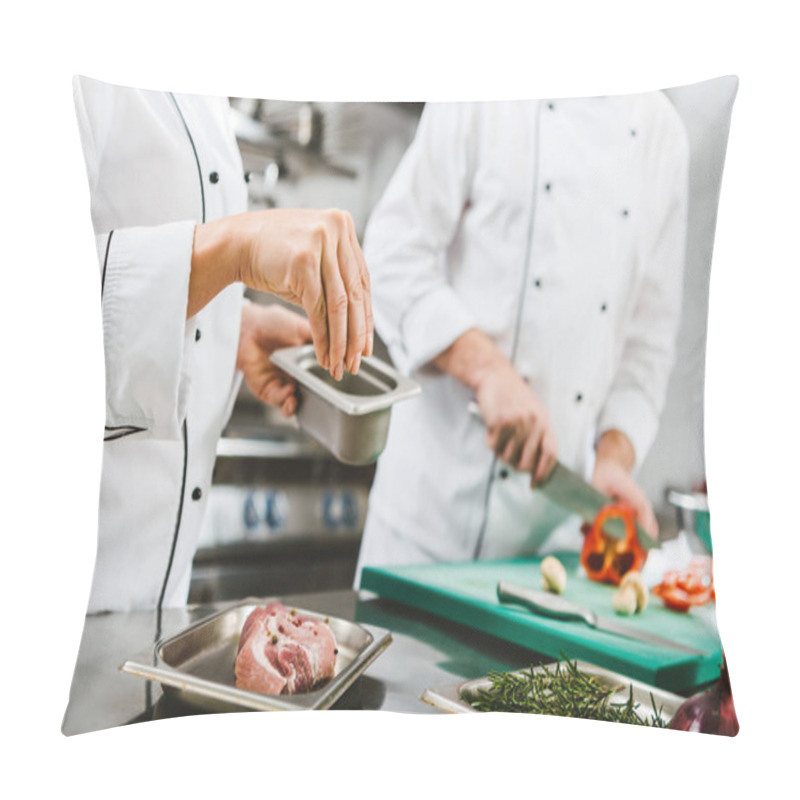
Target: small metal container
<point>693,515</point>
<point>197,664</point>
<point>349,417</point>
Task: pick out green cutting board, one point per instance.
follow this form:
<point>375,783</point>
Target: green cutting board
<point>467,593</point>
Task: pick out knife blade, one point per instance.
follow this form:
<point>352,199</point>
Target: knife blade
<point>557,607</point>
<point>568,490</point>
<point>572,492</point>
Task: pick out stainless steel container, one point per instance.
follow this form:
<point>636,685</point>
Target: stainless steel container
<point>693,515</point>
<point>197,664</point>
<point>349,417</point>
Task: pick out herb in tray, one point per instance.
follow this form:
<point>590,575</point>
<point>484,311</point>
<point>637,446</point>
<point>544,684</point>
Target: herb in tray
<point>562,691</point>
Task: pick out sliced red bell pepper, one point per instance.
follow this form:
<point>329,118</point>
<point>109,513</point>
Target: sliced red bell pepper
<point>606,559</point>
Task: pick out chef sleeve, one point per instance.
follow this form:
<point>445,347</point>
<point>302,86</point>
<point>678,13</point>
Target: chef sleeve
<point>417,313</point>
<point>147,338</point>
<point>638,391</point>
<point>145,289</point>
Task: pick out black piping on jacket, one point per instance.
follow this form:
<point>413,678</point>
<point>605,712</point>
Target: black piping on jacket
<point>517,328</point>
<point>196,157</point>
<point>105,264</point>
<point>117,432</point>
<point>185,435</point>
<point>178,520</point>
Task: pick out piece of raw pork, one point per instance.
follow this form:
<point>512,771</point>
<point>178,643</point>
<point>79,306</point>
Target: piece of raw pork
<point>283,652</point>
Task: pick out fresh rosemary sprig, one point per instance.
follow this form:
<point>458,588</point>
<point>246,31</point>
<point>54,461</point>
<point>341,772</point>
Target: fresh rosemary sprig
<point>562,691</point>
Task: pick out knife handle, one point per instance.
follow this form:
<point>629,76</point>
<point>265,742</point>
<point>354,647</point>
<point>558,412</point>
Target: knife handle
<point>544,603</point>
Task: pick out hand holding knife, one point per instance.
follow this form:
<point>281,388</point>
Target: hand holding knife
<point>571,492</point>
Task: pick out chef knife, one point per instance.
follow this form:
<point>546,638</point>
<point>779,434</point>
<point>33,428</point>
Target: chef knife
<point>552,605</point>
<point>573,493</point>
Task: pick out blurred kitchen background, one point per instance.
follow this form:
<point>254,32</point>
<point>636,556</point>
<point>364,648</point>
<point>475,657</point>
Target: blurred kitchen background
<point>284,515</point>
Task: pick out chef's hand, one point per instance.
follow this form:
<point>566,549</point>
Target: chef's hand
<point>265,329</point>
<point>307,257</point>
<point>612,476</point>
<point>518,425</point>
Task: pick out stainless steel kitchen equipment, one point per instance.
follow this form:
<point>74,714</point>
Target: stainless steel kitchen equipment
<point>283,514</point>
<point>349,417</point>
<point>693,515</point>
<point>551,605</point>
<point>197,664</point>
<point>425,651</point>
<point>456,698</point>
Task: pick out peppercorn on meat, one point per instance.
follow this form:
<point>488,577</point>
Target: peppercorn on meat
<point>283,652</point>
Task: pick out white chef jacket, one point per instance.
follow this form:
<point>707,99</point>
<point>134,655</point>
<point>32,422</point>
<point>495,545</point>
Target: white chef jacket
<point>157,164</point>
<point>557,228</point>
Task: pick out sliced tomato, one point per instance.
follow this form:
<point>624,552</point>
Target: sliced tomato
<point>674,598</point>
<point>694,586</point>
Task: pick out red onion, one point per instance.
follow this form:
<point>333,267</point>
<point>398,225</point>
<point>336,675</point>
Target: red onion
<point>711,711</point>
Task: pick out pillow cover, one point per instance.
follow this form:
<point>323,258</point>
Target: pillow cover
<point>540,269</point>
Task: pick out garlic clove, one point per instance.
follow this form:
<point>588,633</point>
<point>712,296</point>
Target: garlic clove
<point>554,576</point>
<point>624,601</point>
<point>634,580</point>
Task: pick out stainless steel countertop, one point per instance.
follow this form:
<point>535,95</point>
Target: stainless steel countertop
<point>426,652</point>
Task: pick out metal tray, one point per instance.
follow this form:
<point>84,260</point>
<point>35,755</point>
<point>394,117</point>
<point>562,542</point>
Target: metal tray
<point>349,417</point>
<point>455,697</point>
<point>197,664</point>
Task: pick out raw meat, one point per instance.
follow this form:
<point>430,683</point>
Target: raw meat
<point>283,652</point>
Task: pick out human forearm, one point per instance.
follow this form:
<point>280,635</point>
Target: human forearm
<point>471,358</point>
<point>518,426</point>
<point>217,254</point>
<point>614,445</point>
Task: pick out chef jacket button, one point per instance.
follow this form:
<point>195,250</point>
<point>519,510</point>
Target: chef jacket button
<point>214,177</point>
<point>503,473</point>
<point>547,187</point>
<point>247,177</point>
<point>537,283</point>
<point>603,307</point>
<point>625,212</point>
<point>578,397</point>
<point>197,493</point>
<point>633,131</point>
<point>197,335</point>
<point>551,106</point>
